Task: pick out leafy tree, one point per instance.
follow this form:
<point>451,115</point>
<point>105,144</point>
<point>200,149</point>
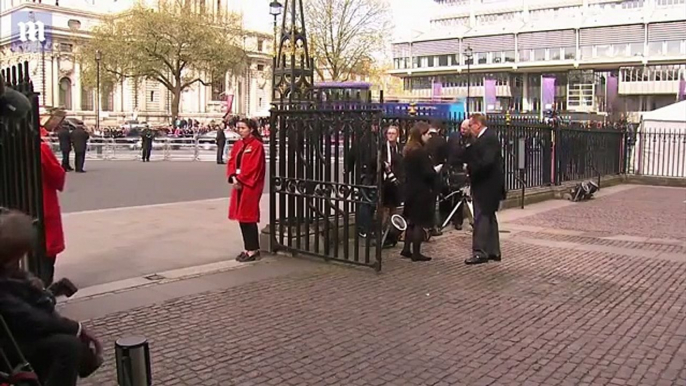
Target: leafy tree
<point>345,34</point>
<point>173,44</point>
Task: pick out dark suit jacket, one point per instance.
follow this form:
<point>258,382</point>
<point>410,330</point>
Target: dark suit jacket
<point>437,148</point>
<point>64,138</point>
<point>419,187</point>
<point>363,155</point>
<point>79,137</point>
<point>221,137</point>
<point>485,165</point>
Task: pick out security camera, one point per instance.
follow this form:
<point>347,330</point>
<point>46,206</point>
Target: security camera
<point>13,104</point>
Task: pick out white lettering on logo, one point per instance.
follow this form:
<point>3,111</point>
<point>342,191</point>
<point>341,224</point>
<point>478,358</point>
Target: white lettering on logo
<point>31,31</point>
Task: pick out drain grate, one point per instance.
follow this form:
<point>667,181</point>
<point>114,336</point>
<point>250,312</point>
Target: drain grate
<point>154,277</point>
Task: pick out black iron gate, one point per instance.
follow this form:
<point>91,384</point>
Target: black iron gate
<point>324,177</point>
<point>20,159</point>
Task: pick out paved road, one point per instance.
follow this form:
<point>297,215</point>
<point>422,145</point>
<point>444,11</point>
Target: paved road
<point>572,303</point>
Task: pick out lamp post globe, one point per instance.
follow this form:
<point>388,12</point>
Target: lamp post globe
<point>275,8</point>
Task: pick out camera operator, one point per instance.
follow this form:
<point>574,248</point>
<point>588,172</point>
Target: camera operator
<point>363,156</point>
<point>391,153</point>
<point>59,349</point>
<point>456,176</point>
<point>437,148</point>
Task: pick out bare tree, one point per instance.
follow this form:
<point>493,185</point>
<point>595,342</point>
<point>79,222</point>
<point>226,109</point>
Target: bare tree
<point>346,34</point>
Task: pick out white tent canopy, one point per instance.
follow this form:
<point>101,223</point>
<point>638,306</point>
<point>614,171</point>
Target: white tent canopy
<point>660,146</point>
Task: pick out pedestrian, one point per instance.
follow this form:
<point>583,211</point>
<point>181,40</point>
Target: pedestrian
<point>147,138</point>
<point>420,196</point>
<point>485,167</point>
<point>361,164</point>
<point>221,143</point>
<point>53,181</point>
<point>246,171</point>
<point>64,138</point>
<point>79,137</point>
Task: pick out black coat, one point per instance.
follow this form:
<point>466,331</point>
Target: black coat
<point>79,137</point>
<point>30,312</point>
<point>485,166</point>
<point>64,138</point>
<point>221,137</point>
<point>419,188</point>
<point>362,155</point>
<point>437,148</point>
<point>393,192</point>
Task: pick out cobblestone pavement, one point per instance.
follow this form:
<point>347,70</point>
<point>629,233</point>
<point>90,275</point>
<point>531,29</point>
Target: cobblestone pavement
<point>545,315</point>
<point>643,211</point>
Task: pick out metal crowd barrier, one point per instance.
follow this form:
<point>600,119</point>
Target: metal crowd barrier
<point>164,149</point>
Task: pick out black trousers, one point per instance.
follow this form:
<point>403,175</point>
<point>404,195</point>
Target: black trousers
<point>55,358</point>
<point>79,160</point>
<point>47,270</point>
<point>65,160</point>
<point>220,152</point>
<point>251,239</point>
<point>485,237</point>
<point>147,150</point>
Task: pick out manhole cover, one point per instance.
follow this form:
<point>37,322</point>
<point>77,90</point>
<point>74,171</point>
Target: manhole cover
<point>154,277</point>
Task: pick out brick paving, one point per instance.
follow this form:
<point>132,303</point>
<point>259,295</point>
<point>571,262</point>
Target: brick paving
<point>544,316</point>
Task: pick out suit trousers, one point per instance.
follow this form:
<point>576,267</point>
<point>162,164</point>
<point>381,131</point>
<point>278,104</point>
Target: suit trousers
<point>220,152</point>
<point>485,237</point>
<point>65,160</point>
<point>251,237</point>
<point>79,160</point>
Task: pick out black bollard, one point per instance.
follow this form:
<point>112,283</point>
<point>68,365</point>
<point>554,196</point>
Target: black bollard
<point>133,361</point>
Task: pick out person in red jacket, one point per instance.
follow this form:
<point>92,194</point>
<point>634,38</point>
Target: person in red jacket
<point>53,181</point>
<point>246,171</point>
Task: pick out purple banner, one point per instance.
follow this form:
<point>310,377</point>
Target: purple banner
<point>436,90</point>
<point>611,91</point>
<point>682,90</point>
<point>489,95</point>
<point>547,93</point>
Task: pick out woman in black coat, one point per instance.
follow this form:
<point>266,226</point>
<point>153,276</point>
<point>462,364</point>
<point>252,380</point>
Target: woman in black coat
<point>420,197</point>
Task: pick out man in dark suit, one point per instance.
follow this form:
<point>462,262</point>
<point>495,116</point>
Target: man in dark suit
<point>456,178</point>
<point>221,143</point>
<point>437,148</point>
<point>361,162</point>
<point>64,139</point>
<point>79,137</point>
<point>147,138</point>
<point>485,166</point>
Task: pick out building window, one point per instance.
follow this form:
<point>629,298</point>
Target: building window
<point>218,88</point>
<point>524,55</point>
<point>443,61</point>
<point>655,48</point>
<point>66,47</point>
<point>152,96</point>
<point>260,45</point>
<point>554,54</point>
<point>569,53</point>
<point>86,99</point>
<point>673,47</point>
<point>509,56</point>
<point>65,93</point>
<point>260,67</point>
<point>586,52</point>
<point>539,55</point>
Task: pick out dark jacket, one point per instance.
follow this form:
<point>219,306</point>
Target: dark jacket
<point>437,148</point>
<point>221,137</point>
<point>419,187</point>
<point>30,312</point>
<point>79,137</point>
<point>147,137</point>
<point>485,166</point>
<point>456,151</point>
<point>392,191</point>
<point>362,155</point>
<point>64,138</point>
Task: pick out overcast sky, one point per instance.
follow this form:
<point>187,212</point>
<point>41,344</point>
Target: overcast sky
<point>407,15</point>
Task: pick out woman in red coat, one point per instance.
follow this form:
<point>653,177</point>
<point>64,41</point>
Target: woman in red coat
<point>53,182</point>
<point>246,170</point>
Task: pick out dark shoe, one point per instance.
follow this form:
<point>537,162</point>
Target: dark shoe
<point>458,227</point>
<point>495,257</point>
<point>476,260</point>
<point>241,256</point>
<point>406,254</point>
<point>421,258</point>
<point>436,232</point>
<point>252,258</point>
<point>80,171</point>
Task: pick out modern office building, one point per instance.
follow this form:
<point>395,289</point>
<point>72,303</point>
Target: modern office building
<point>600,56</point>
<point>59,27</point>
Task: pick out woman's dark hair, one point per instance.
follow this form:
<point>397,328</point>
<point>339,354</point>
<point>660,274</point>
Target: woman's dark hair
<point>252,125</point>
<point>414,138</point>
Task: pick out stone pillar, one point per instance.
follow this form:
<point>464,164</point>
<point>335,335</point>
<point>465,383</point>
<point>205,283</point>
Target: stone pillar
<point>76,86</point>
<point>525,93</point>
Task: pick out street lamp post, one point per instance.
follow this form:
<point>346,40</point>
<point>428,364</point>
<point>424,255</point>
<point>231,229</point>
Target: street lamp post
<point>468,54</point>
<point>98,58</point>
<point>275,10</point>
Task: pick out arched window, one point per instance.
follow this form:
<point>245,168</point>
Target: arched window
<point>65,93</point>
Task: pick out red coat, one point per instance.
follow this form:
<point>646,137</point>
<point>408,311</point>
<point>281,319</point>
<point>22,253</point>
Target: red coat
<point>244,204</point>
<point>53,181</point>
